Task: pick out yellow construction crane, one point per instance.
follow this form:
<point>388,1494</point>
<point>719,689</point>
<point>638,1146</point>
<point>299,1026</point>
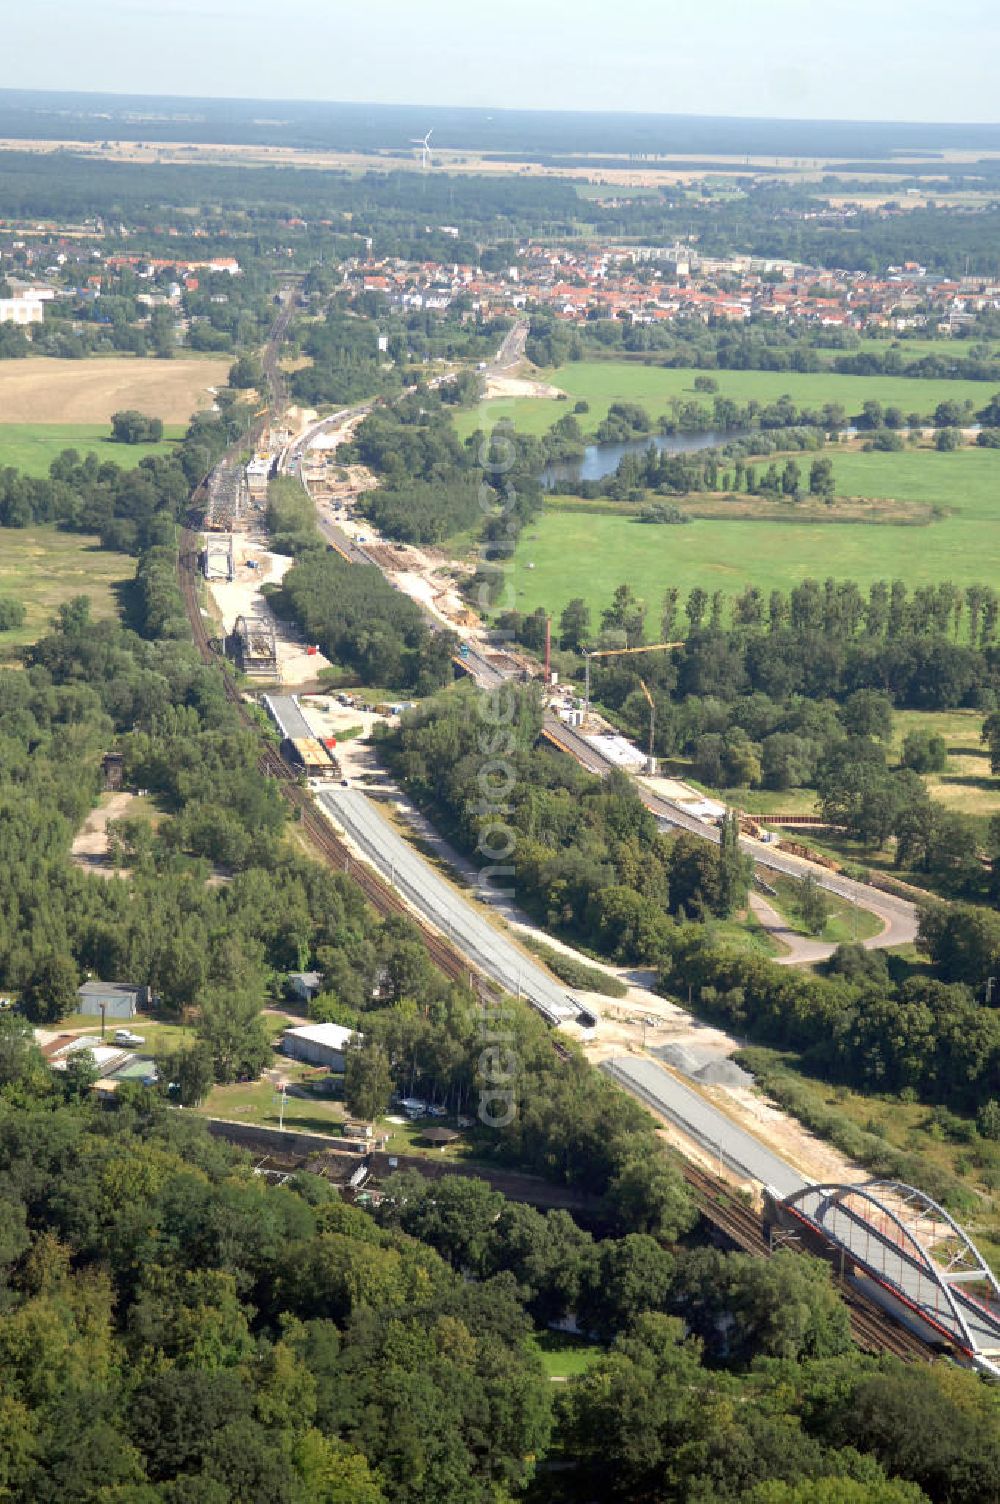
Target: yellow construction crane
<point>653,647</point>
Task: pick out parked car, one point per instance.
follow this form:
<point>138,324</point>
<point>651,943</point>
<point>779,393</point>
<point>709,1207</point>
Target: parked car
<point>125,1036</point>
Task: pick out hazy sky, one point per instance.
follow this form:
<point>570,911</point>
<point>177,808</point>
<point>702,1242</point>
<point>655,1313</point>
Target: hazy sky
<point>855,59</point>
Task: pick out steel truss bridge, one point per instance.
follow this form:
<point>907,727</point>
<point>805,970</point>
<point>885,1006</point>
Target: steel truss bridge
<point>910,1246</point>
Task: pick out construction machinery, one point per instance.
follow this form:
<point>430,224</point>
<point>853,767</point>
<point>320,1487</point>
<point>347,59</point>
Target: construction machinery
<point>653,647</point>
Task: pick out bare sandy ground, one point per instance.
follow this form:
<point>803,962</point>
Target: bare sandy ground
<point>45,390</point>
<point>90,845</point>
<point>242,597</point>
<point>520,386</point>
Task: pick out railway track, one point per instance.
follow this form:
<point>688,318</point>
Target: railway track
<point>321,835</point>
<point>873,1330</point>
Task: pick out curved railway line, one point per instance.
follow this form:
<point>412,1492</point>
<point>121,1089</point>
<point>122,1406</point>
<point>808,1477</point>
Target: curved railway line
<point>873,1330</point>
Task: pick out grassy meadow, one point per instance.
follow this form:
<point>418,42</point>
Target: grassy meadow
<point>566,553</point>
<point>845,921</point>
<point>31,447</point>
<point>966,784</point>
<point>602,382</point>
<point>42,568</point>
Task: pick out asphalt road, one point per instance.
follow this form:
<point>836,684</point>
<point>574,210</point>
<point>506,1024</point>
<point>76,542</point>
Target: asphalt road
<point>898,915</point>
<point>512,349</point>
<point>801,950</point>
<point>694,1114</point>
<point>445,907</point>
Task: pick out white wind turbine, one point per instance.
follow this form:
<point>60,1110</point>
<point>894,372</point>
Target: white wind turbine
<point>424,142</point>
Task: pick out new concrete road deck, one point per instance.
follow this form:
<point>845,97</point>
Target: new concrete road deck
<point>694,1115</point>
<point>291,722</point>
<point>446,907</point>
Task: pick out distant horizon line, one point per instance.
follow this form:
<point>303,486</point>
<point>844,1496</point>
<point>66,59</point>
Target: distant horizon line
<point>506,110</point>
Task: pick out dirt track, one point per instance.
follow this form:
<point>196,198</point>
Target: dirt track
<point>45,390</point>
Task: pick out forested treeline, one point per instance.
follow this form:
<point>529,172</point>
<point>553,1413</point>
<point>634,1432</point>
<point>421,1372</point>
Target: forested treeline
<point>934,1038</point>
<point>760,344</point>
<point>211,949</point>
<point>588,859</point>
<point>204,1336</point>
<point>129,509</point>
<point>431,487</point>
<point>346,364</point>
<point>799,690</point>
<point>930,648</point>
<point>361,623</point>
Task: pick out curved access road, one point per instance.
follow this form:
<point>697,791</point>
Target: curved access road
<point>800,950</point>
<point>898,915</point>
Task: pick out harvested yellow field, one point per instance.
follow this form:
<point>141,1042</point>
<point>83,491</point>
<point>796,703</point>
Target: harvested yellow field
<point>45,390</point>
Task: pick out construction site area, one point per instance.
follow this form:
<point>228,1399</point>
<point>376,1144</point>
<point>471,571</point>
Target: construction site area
<point>237,564</point>
<point>428,575</point>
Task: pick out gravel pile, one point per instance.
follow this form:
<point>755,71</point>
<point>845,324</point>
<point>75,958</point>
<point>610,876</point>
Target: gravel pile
<point>723,1073</point>
<point>704,1066</point>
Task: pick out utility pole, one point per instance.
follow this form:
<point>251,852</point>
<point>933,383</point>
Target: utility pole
<point>650,759</point>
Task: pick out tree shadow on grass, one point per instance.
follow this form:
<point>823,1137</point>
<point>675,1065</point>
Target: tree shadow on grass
<point>128,600</point>
<point>983,783</point>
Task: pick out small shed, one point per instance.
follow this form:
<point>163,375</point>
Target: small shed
<point>303,985</point>
<point>317,1044</point>
<point>113,999</point>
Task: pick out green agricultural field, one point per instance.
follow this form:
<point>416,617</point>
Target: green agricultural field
<point>42,568</point>
<point>32,447</point>
<point>916,349</point>
<point>602,382</point>
<point>564,554</point>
